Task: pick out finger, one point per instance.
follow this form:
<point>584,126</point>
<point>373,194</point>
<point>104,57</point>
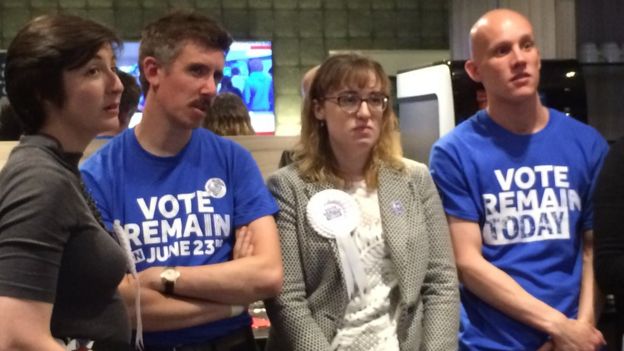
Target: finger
<point>548,346</point>
<point>246,242</point>
<point>249,250</point>
<point>240,238</point>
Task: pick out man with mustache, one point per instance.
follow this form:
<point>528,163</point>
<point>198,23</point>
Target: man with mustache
<point>516,181</point>
<point>180,192</point>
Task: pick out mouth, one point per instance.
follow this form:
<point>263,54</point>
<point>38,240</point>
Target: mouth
<point>520,76</point>
<point>360,129</point>
<point>113,108</point>
<point>202,105</point>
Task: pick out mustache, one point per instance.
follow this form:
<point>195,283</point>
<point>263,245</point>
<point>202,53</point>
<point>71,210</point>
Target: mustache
<point>202,103</point>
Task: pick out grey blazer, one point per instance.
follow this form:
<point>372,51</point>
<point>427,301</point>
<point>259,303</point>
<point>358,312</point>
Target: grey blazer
<point>307,314</point>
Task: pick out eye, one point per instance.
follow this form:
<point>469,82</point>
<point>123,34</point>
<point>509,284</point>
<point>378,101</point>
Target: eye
<point>377,99</point>
<point>197,70</point>
<point>502,50</point>
<point>349,99</point>
<point>92,71</point>
<point>528,45</point>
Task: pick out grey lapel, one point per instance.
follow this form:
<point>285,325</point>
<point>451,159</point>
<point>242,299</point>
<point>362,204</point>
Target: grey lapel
<point>396,203</point>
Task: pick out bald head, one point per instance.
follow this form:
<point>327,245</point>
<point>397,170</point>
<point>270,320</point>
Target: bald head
<point>492,26</point>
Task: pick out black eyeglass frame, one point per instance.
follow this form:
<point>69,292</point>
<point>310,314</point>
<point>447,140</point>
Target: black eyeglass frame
<point>336,99</point>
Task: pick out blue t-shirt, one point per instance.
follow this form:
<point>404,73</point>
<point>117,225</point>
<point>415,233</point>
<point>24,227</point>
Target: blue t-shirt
<point>180,210</point>
<point>531,196</point>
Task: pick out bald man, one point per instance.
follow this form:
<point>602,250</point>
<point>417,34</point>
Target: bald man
<point>516,182</point>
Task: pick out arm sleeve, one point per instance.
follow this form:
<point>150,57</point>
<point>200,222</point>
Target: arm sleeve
<point>252,199</point>
<point>440,292</point>
<point>596,157</point>
<point>451,179</point>
<point>608,230</point>
<point>291,319</point>
<point>35,216</point>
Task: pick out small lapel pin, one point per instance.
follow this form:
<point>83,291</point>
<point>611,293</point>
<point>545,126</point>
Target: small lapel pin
<point>397,207</point>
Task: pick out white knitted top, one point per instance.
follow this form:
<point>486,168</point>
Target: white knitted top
<point>370,318</point>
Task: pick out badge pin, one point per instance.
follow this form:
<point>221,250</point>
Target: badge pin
<point>397,207</point>
<point>215,187</point>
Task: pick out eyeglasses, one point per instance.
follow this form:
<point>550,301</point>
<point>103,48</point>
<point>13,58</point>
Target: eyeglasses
<point>351,102</point>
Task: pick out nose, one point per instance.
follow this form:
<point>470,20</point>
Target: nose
<point>363,111</point>
<point>209,87</point>
<point>518,55</point>
<point>116,86</point>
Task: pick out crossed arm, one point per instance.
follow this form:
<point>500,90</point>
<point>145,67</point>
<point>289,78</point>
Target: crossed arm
<point>498,289</point>
<point>206,293</point>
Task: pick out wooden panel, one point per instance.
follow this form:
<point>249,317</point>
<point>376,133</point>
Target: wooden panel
<point>266,150</point>
<point>553,22</point>
<point>464,13</point>
<point>565,31</point>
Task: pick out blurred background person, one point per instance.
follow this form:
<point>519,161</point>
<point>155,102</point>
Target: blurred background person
<point>368,262</point>
<point>306,82</point>
<point>227,87</point>
<point>228,115</point>
<point>59,267</point>
<point>258,90</point>
<point>10,128</point>
<point>127,106</point>
<point>609,235</point>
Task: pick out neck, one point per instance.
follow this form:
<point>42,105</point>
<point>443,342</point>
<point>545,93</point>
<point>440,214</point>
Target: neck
<point>351,165</point>
<point>525,117</point>
<point>158,136</point>
<point>70,140</point>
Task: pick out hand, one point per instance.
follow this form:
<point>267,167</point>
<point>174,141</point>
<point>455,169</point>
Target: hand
<point>243,246</point>
<point>577,335</point>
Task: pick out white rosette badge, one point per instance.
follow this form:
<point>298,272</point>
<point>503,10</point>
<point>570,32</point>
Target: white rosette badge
<point>334,215</point>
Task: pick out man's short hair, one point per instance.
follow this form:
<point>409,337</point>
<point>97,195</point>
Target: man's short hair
<point>39,54</point>
<point>165,37</point>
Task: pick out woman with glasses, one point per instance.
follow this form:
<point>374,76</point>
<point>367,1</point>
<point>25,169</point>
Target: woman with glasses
<point>368,263</point>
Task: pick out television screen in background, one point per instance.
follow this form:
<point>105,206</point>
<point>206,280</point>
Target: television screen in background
<point>248,73</point>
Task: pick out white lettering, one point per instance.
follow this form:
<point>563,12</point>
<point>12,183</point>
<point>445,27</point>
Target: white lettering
<point>148,211</point>
<point>524,178</point>
<point>174,206</point>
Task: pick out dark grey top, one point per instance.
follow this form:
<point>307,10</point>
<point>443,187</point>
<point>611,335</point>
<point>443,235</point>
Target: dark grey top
<point>52,248</point>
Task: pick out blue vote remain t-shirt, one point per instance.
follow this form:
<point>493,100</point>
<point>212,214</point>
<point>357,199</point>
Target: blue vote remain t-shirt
<point>180,210</point>
<point>531,195</point>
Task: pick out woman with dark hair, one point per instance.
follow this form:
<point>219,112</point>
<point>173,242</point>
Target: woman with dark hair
<point>59,268</point>
<point>368,262</point>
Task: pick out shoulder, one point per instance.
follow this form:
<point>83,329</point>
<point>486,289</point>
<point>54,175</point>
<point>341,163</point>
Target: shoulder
<point>417,173</point>
<point>34,174</point>
<point>460,134</point>
<point>285,175</point>
<point>226,146</point>
<point>584,136</point>
<point>576,127</point>
<point>107,152</point>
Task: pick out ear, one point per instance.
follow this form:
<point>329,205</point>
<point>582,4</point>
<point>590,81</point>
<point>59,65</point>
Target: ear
<point>473,70</point>
<point>151,70</point>
<point>319,110</point>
